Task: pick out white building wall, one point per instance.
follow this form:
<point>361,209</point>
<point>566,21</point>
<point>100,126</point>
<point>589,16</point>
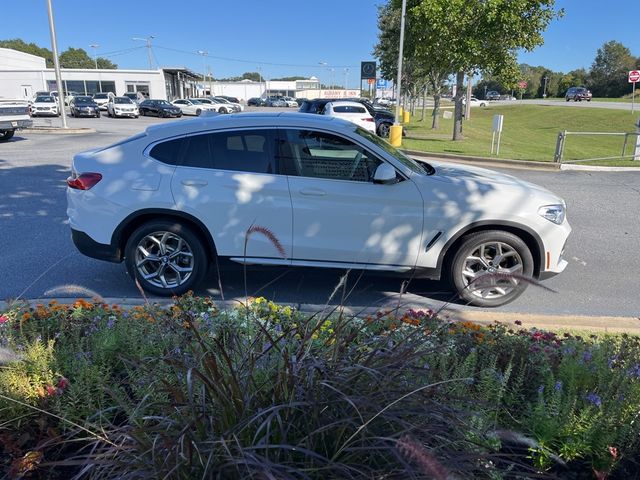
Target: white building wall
<point>15,60</point>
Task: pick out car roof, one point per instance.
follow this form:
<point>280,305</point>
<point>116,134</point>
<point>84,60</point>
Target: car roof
<point>253,119</point>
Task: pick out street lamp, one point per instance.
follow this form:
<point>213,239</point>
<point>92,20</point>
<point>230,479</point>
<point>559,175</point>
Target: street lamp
<point>544,90</point>
<point>148,40</point>
<point>346,78</point>
<point>204,54</point>
<point>324,64</point>
<point>95,60</point>
<point>56,64</point>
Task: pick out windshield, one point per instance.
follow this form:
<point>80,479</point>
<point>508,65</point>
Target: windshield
<point>101,95</point>
<point>83,100</point>
<point>122,100</point>
<point>408,162</point>
<point>45,100</point>
<point>164,103</point>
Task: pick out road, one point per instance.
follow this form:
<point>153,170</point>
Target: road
<point>39,259</point>
<point>592,104</point>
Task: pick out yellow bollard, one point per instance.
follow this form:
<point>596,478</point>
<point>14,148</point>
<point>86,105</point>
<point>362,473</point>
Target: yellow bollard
<point>395,135</point>
<point>406,116</point>
<point>400,112</point>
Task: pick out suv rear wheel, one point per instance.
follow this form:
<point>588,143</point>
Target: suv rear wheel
<point>486,268</point>
<point>167,258</point>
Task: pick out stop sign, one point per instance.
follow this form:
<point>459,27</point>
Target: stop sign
<point>634,76</point>
<point>522,85</point>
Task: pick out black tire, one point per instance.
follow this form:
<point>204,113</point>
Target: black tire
<point>383,130</point>
<point>515,256</point>
<point>223,110</point>
<point>567,99</point>
<point>198,262</point>
<point>98,115</point>
<point>198,112</point>
<point>143,113</point>
<point>6,135</point>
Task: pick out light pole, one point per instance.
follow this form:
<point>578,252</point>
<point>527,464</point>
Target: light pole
<point>396,129</point>
<point>95,60</point>
<point>260,78</point>
<point>56,64</point>
<point>331,70</point>
<point>204,54</point>
<point>346,78</point>
<point>148,40</point>
<point>544,90</point>
<point>323,64</point>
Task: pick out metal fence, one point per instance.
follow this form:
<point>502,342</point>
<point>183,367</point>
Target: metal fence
<point>627,146</point>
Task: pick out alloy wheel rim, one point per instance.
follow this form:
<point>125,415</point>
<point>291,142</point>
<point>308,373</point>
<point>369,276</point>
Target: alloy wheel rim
<point>164,259</point>
<point>490,271</point>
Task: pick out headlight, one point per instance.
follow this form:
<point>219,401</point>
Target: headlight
<point>553,213</point>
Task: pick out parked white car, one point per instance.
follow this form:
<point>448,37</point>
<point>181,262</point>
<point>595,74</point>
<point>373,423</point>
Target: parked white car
<point>290,101</point>
<point>45,105</point>
<point>351,111</point>
<point>122,107</point>
<point>102,99</point>
<point>193,106</point>
<point>219,107</point>
<point>474,102</point>
<point>237,107</point>
<point>310,191</point>
<point>14,115</point>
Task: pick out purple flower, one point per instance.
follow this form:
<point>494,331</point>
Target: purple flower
<point>558,386</point>
<point>634,371</point>
<point>586,356</point>
<point>111,322</point>
<point>612,360</point>
<point>594,399</point>
<point>541,389</point>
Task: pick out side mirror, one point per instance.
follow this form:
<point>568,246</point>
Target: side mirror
<point>385,174</point>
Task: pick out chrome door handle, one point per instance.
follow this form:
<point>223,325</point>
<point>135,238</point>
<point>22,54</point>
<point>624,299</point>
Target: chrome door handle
<point>313,192</point>
<point>194,183</point>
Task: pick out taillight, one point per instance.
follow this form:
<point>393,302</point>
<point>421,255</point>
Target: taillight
<point>84,181</point>
<point>368,119</point>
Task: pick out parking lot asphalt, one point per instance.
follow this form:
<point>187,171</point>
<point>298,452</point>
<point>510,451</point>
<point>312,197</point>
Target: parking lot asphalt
<point>40,261</point>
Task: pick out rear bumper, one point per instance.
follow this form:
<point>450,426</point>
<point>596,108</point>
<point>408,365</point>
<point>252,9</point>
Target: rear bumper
<point>13,124</point>
<point>89,247</point>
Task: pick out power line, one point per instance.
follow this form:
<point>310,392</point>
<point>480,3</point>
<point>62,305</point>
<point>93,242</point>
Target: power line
<point>187,52</point>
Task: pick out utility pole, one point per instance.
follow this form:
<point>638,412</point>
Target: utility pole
<point>544,90</point>
<point>396,129</point>
<point>346,78</point>
<point>148,40</point>
<point>56,64</point>
<point>467,111</point>
<point>95,60</point>
<point>204,54</point>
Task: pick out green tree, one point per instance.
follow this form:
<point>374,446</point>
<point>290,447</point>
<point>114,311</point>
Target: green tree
<point>106,64</point>
<point>20,45</point>
<point>477,35</point>
<point>575,78</point>
<point>608,75</point>
<point>76,58</point>
<point>255,76</point>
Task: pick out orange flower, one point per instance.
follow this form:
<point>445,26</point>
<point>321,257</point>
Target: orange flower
<point>26,316</point>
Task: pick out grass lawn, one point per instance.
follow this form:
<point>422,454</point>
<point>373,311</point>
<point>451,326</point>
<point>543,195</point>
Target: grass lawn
<point>529,133</point>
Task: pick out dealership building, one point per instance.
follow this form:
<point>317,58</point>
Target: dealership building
<point>23,74</point>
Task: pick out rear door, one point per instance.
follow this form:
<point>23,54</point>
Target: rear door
<point>229,180</point>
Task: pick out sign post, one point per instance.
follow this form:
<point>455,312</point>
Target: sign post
<point>634,77</point>
<point>496,128</point>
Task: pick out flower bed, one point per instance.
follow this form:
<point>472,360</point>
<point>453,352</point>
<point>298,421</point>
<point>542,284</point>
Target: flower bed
<point>191,391</point>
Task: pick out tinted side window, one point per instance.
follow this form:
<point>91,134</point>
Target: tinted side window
<point>169,151</point>
<point>239,151</point>
<point>307,153</point>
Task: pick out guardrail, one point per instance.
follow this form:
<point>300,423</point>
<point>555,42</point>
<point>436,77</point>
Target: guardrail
<point>558,156</point>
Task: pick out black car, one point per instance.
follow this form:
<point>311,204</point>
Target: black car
<point>492,95</point>
<point>255,102</point>
<point>231,99</point>
<point>159,108</point>
<point>577,94</point>
<point>84,106</point>
<point>383,117</point>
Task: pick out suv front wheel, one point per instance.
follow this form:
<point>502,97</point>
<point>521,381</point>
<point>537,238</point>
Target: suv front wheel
<point>167,258</point>
<point>487,269</point>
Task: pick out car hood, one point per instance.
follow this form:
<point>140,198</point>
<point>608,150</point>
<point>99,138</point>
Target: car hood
<point>482,179</point>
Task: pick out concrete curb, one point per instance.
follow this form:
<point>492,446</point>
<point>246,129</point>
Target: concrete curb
<point>598,324</point>
<point>517,164</point>
<point>59,130</point>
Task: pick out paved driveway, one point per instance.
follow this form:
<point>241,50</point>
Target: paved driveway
<point>38,258</point>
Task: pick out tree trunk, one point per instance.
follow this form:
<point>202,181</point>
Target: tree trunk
<point>435,124</point>
<point>457,123</point>
<point>424,103</point>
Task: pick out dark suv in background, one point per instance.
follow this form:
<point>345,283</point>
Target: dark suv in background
<point>577,94</point>
<point>383,117</point>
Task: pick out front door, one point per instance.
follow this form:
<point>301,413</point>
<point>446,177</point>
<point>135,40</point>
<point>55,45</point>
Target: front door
<point>339,215</point>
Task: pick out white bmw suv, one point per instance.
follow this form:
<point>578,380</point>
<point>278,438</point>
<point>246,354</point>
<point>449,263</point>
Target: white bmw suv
<point>306,190</point>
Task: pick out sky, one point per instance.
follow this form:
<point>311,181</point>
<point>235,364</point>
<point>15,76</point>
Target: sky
<point>323,38</point>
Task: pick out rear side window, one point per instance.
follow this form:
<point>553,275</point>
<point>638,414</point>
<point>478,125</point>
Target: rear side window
<point>348,109</point>
<point>169,151</point>
<point>238,151</point>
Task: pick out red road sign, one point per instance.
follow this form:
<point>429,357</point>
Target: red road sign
<point>522,85</point>
<point>634,76</point>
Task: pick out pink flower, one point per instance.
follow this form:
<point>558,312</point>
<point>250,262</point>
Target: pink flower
<point>63,383</point>
<point>51,390</point>
<point>4,319</point>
